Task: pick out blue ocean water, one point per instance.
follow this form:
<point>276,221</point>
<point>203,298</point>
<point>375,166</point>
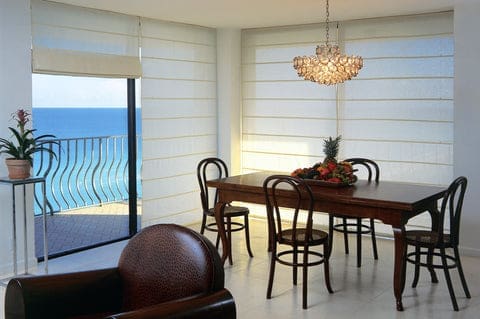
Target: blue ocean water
<point>68,122</point>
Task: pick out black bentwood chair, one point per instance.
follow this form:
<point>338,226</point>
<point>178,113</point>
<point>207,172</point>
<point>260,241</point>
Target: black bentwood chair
<point>436,241</point>
<point>299,234</point>
<point>351,225</point>
<point>213,168</point>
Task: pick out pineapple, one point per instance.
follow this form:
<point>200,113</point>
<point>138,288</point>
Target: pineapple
<point>330,170</point>
<point>330,149</point>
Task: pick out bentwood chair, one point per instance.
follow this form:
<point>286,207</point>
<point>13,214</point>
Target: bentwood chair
<point>355,226</point>
<point>299,234</point>
<point>435,242</point>
<point>213,168</point>
<point>165,271</point>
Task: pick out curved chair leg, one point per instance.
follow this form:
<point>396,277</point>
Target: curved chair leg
<point>326,268</point>
<point>204,222</point>
<point>460,272</point>
<point>272,271</point>
<point>345,235</point>
<point>295,263</point>
<point>247,235</point>
<point>305,277</point>
<point>417,267</point>
<point>374,238</point>
<point>359,242</point>
<point>448,279</point>
<point>433,275</point>
<point>229,238</point>
<point>217,241</point>
<point>330,235</point>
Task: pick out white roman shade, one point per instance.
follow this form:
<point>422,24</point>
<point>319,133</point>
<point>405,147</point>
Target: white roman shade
<point>285,118</point>
<point>179,128</point>
<point>71,40</point>
<point>398,111</point>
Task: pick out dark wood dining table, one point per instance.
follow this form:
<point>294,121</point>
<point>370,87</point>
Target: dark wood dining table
<point>394,203</point>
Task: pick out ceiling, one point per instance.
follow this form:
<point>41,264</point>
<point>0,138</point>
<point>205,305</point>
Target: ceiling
<point>262,13</point>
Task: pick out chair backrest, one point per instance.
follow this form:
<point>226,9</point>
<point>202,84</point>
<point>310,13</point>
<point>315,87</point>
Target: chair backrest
<point>279,187</point>
<point>165,262</point>
<point>207,169</point>
<point>370,166</point>
<point>453,202</point>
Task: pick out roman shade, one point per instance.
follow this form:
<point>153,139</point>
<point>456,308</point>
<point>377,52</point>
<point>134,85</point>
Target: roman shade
<point>398,111</point>
<point>72,40</point>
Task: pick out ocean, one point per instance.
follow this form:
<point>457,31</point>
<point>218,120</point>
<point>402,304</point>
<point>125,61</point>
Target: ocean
<point>68,122</point>
<point>85,171</point>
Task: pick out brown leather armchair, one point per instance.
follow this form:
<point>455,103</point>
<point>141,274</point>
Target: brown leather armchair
<point>165,271</point>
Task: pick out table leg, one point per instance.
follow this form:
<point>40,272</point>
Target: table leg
<point>399,267</point>
<point>219,209</point>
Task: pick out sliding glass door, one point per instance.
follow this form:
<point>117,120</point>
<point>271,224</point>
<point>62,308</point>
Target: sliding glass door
<point>93,184</point>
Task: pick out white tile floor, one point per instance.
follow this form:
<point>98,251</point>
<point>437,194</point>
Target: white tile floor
<point>364,292</point>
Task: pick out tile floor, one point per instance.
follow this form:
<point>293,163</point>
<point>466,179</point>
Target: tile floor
<point>364,292</point>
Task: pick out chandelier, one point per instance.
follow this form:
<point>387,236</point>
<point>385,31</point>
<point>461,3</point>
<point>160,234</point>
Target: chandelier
<point>328,66</point>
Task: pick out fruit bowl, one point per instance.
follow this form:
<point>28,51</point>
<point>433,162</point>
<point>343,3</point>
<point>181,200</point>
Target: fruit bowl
<point>331,174</point>
<point>317,182</point>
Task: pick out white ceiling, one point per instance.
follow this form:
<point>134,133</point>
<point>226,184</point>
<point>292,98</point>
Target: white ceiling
<point>262,13</point>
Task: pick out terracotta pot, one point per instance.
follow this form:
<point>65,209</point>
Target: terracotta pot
<point>18,169</point>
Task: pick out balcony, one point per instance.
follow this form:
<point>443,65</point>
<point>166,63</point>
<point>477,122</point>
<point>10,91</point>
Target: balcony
<point>87,193</point>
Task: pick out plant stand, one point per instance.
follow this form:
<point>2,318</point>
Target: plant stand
<point>23,182</point>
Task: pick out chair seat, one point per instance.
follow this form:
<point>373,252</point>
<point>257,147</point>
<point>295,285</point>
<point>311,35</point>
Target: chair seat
<point>425,238</point>
<point>318,237</point>
<point>231,211</point>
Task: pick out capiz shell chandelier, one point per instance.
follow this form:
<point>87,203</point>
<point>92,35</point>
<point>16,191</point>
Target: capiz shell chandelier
<point>328,66</point>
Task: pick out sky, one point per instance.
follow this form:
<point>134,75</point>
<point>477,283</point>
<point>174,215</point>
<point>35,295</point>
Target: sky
<point>64,91</point>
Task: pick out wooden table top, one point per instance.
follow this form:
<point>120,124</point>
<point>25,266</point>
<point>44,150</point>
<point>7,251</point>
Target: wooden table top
<point>384,194</point>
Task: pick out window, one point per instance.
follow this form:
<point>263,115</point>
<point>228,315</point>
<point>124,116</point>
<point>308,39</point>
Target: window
<point>398,111</point>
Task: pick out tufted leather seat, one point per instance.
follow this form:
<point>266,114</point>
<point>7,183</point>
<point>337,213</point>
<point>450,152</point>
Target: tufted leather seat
<point>165,271</point>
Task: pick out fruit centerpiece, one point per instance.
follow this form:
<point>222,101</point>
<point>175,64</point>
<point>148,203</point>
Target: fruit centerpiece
<point>330,170</point>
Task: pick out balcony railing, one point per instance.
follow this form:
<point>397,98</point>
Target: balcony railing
<point>86,172</point>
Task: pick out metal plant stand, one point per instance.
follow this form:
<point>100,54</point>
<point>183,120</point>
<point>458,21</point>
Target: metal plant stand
<point>23,182</point>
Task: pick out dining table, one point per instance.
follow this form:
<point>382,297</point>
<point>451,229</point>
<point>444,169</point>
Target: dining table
<point>393,203</point>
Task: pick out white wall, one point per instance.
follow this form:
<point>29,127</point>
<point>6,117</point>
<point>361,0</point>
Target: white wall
<point>229,97</point>
<point>467,117</point>
<point>15,92</point>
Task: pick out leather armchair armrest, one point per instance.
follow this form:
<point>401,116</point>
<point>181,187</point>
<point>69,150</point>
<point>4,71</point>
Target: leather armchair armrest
<point>215,305</point>
<point>63,295</point>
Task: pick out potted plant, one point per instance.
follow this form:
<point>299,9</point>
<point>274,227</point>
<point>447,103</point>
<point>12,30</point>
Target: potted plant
<point>22,146</point>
